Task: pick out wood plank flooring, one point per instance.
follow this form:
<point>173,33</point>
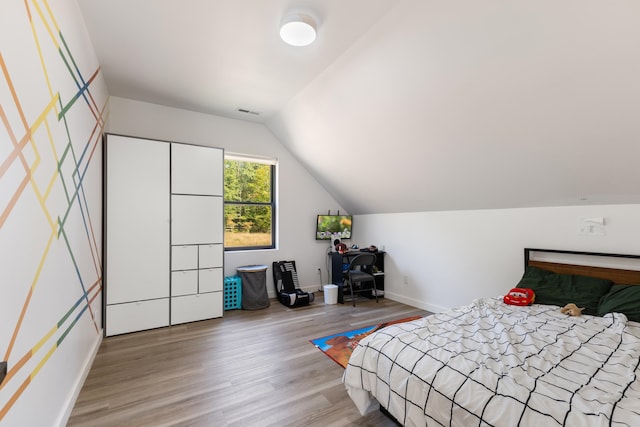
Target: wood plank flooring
<point>249,368</point>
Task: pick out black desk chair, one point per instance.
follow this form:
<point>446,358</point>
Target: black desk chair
<point>360,272</point>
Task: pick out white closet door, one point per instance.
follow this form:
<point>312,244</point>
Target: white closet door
<point>184,282</point>
<point>191,308</point>
<point>137,316</point>
<point>184,257</point>
<point>196,219</point>
<point>137,219</point>
<point>210,280</point>
<point>196,170</point>
<point>210,256</point>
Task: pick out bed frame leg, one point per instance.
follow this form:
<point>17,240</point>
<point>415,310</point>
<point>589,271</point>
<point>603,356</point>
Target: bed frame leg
<point>388,415</point>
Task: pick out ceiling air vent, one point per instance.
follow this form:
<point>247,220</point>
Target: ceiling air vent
<point>244,110</point>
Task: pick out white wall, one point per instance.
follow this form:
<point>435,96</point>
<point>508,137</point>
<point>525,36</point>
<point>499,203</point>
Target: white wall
<point>451,257</point>
<point>299,196</point>
<point>51,209</point>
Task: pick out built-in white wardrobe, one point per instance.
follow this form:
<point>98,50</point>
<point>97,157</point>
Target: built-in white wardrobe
<point>163,237</point>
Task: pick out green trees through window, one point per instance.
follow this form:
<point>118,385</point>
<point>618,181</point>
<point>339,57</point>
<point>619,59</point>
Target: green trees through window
<point>248,204</point>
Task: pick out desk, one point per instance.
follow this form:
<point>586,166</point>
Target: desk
<point>338,260</point>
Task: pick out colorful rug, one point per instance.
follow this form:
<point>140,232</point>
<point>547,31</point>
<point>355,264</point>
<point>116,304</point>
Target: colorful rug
<point>340,346</point>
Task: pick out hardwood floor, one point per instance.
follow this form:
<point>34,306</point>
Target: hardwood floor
<point>249,368</point>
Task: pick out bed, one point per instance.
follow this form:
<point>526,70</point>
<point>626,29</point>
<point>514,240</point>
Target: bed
<point>493,364</point>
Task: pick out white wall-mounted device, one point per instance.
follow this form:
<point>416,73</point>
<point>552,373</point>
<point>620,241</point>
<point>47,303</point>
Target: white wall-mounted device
<point>591,226</point>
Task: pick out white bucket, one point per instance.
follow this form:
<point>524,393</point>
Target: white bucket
<point>330,294</point>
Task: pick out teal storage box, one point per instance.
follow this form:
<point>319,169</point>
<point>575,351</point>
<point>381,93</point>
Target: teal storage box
<point>232,293</point>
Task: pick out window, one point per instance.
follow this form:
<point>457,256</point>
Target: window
<point>249,203</point>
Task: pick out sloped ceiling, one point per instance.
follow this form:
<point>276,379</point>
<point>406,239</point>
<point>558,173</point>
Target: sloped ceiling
<point>439,105</point>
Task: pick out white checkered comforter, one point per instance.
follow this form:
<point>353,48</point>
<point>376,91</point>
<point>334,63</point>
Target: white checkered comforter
<point>490,364</point>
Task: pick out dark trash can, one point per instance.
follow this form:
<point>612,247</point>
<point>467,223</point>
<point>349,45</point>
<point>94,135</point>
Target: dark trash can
<point>254,287</point>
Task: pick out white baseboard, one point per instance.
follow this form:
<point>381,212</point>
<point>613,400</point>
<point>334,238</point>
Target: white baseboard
<point>433,308</point>
<point>415,303</point>
<point>75,392</point>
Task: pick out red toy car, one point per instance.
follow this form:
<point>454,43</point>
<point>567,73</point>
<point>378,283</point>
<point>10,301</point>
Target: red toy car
<point>520,296</point>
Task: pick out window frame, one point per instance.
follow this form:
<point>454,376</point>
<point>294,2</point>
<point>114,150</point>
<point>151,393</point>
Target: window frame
<point>272,204</point>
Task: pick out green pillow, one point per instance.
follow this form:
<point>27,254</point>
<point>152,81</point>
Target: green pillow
<point>561,289</point>
<point>622,299</point>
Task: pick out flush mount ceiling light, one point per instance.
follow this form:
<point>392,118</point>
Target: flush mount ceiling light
<point>298,29</point>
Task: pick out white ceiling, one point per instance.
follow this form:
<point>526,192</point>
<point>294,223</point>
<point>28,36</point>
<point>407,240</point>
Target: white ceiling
<point>405,105</point>
<point>216,56</point>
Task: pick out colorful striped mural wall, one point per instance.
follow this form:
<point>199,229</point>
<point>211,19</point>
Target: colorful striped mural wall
<point>53,110</point>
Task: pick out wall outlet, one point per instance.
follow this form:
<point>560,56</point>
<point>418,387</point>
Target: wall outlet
<point>405,280</point>
<point>3,371</point>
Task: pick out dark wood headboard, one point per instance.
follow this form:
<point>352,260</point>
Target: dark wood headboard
<point>616,275</point>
